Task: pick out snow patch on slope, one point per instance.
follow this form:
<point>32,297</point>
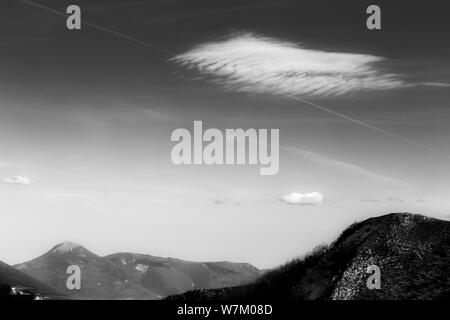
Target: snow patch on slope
<point>142,267</point>
<point>66,246</point>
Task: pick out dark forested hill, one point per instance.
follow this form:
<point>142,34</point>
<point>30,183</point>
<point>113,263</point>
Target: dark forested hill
<point>412,252</point>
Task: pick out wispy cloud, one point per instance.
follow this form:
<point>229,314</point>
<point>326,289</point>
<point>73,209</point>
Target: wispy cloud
<point>62,196</point>
<point>255,64</point>
<point>4,164</point>
<point>311,199</point>
<point>343,166</point>
<point>394,199</point>
<point>20,180</point>
<point>436,84</point>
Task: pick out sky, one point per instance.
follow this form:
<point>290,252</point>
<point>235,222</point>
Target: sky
<point>86,118</point>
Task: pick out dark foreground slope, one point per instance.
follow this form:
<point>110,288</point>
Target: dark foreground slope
<point>412,252</point>
<point>16,285</point>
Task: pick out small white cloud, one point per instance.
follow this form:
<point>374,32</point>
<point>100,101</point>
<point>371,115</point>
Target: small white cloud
<point>18,180</point>
<point>255,64</point>
<point>312,198</point>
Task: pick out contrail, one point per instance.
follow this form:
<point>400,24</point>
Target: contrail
<point>98,27</point>
<point>172,53</point>
<point>364,124</point>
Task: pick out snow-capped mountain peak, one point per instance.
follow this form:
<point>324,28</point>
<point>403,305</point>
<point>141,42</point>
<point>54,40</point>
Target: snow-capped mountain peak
<point>66,246</point>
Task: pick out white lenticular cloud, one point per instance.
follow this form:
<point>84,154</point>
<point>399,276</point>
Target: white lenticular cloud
<point>312,198</point>
<point>250,63</point>
<point>18,180</point>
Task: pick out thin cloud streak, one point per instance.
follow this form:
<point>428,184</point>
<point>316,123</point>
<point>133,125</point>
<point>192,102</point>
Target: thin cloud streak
<point>436,84</point>
<point>343,166</point>
<point>364,124</point>
<point>101,28</point>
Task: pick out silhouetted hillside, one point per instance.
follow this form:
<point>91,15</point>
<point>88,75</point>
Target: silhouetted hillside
<point>412,252</point>
<point>15,285</point>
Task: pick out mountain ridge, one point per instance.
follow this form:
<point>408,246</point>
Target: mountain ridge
<point>131,275</point>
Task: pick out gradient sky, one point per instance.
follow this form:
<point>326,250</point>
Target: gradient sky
<point>86,119</point>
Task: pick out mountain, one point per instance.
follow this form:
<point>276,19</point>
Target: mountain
<point>412,252</point>
<point>100,279</point>
<point>165,276</point>
<point>131,275</point>
<point>16,285</point>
